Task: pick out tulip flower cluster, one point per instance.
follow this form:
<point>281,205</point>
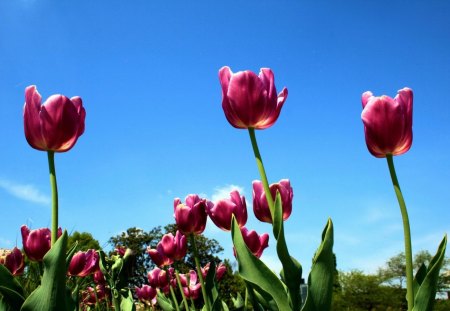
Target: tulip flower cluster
<point>249,101</point>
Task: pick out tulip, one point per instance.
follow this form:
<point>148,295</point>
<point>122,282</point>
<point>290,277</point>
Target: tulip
<point>36,243</point>
<point>158,256</point>
<point>220,270</point>
<point>54,125</point>
<point>91,295</point>
<point>84,263</point>
<point>388,123</point>
<point>120,250</point>
<point>250,101</point>
<point>145,293</point>
<point>191,287</point>
<point>255,243</point>
<point>99,278</point>
<point>12,260</point>
<point>190,216</point>
<point>159,278</point>
<point>222,211</point>
<point>174,247</point>
<point>260,206</point>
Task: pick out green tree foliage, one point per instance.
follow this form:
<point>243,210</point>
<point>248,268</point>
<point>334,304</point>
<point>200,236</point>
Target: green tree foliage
<point>138,241</point>
<point>394,272</point>
<point>84,241</point>
<point>359,291</point>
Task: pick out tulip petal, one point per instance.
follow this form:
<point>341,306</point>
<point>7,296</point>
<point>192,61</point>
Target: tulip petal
<point>31,118</point>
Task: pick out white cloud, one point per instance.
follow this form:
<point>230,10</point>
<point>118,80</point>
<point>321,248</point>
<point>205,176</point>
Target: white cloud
<point>25,192</point>
<point>224,192</point>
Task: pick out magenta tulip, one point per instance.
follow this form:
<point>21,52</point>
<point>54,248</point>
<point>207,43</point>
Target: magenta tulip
<point>222,211</point>
<point>36,243</point>
<point>84,263</point>
<point>159,257</point>
<point>159,278</point>
<point>54,125</point>
<point>12,260</point>
<point>256,243</point>
<point>174,247</point>
<point>388,123</point>
<point>260,206</point>
<point>250,101</point>
<point>91,296</point>
<point>145,293</point>
<point>191,287</point>
<point>190,216</point>
<point>220,270</point>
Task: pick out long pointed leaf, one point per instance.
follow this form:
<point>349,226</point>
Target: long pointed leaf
<point>292,270</point>
<point>426,294</point>
<point>11,290</point>
<point>320,280</point>
<point>256,272</point>
<point>51,294</point>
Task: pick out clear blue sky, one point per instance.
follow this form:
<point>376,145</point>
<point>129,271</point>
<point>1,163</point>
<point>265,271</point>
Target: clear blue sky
<point>155,130</point>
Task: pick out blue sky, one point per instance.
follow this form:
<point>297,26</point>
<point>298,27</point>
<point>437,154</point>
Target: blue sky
<point>155,130</point>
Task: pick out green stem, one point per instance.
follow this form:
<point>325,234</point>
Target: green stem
<point>407,233</point>
<point>246,299</point>
<point>174,298</point>
<point>262,171</point>
<point>51,167</point>
<point>199,273</point>
<point>181,290</point>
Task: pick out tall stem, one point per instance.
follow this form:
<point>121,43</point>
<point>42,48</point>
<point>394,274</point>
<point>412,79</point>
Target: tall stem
<point>262,171</point>
<point>174,298</point>
<point>51,167</point>
<point>199,272</point>
<point>177,275</point>
<point>406,232</point>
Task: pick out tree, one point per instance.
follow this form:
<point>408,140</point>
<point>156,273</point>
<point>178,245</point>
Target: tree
<point>366,292</point>
<point>84,241</point>
<point>138,241</point>
<point>395,270</point>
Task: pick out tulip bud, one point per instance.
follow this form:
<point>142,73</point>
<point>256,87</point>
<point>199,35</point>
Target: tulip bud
<point>174,248</point>
<point>250,101</point>
<point>388,123</point>
<point>84,263</point>
<point>12,260</point>
<point>255,243</point>
<point>145,293</point>
<point>54,125</point>
<point>222,211</point>
<point>190,216</point>
<point>158,278</point>
<point>36,243</point>
<point>260,205</point>
<point>159,257</point>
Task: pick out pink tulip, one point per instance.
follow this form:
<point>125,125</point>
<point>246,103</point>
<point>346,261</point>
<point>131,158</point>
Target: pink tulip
<point>99,278</point>
<point>190,216</point>
<point>222,211</point>
<point>159,278</point>
<point>255,243</point>
<point>159,257</point>
<point>93,295</point>
<point>191,287</point>
<point>388,123</point>
<point>220,270</point>
<point>250,101</point>
<point>174,247</point>
<point>54,125</point>
<point>84,263</point>
<point>145,293</point>
<point>260,205</point>
<point>36,243</point>
<point>12,260</point>
<point>120,250</point>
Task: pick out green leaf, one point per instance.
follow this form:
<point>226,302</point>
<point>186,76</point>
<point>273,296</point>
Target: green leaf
<point>127,303</point>
<point>320,280</point>
<point>256,272</point>
<point>418,279</point>
<point>211,284</point>
<point>164,303</point>
<point>11,292</point>
<point>426,293</point>
<point>292,270</point>
<point>238,302</point>
<point>51,294</point>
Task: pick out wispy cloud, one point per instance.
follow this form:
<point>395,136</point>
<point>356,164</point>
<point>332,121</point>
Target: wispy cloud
<point>25,192</point>
<point>223,192</point>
